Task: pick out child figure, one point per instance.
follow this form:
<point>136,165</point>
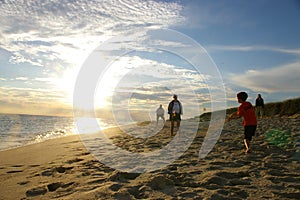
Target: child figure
<point>246,111</point>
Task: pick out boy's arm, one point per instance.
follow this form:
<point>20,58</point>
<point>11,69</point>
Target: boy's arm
<point>232,116</point>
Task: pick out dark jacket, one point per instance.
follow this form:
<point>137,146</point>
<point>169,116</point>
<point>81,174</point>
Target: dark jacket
<point>170,107</point>
<point>259,102</point>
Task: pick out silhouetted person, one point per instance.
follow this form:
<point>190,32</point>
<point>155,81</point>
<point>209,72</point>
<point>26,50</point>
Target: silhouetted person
<point>160,112</point>
<point>246,111</point>
<point>259,106</point>
<point>175,110</point>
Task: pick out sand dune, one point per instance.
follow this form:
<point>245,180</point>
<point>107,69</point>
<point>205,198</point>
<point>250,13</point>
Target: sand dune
<point>64,169</point>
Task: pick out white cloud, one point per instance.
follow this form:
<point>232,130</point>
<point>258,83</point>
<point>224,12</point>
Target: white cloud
<point>22,78</point>
<point>213,48</point>
<point>37,32</point>
<point>142,84</point>
<point>175,44</point>
<point>33,101</point>
<point>284,78</point>
<point>59,35</point>
<point>30,95</point>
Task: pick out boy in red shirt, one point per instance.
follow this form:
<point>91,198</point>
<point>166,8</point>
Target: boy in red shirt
<point>246,111</point>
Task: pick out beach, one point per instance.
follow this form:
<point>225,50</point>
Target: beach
<point>63,168</point>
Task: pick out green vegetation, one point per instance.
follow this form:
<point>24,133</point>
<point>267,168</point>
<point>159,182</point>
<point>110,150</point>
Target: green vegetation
<point>285,108</point>
<point>279,138</point>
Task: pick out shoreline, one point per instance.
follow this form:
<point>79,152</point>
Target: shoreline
<point>37,142</point>
<point>109,131</point>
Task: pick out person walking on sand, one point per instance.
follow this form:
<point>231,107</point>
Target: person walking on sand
<point>246,111</point>
<point>175,110</point>
<point>160,112</point>
<point>259,106</point>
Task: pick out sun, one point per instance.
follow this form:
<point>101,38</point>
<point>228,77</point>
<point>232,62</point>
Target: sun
<point>104,91</point>
<point>66,83</point>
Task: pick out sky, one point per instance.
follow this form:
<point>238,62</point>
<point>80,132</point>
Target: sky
<point>45,45</point>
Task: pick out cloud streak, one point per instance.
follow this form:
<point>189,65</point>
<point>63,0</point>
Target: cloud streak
<point>27,100</point>
<point>214,48</point>
<point>284,78</point>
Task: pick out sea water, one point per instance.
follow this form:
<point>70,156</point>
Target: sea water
<point>18,130</point>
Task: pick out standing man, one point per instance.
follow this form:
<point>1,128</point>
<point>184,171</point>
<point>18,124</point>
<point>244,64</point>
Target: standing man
<point>160,112</point>
<point>175,110</point>
<point>259,106</point>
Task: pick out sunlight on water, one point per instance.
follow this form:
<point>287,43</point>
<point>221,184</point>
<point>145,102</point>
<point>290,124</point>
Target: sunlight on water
<point>50,135</point>
<point>19,130</point>
<point>91,125</point>
<point>87,125</point>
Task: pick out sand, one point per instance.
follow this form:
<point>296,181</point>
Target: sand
<point>64,169</point>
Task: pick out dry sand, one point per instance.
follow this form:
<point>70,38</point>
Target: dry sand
<point>64,169</point>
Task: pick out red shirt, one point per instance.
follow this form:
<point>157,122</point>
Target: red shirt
<point>246,110</point>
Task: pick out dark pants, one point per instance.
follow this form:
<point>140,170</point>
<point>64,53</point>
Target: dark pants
<point>249,132</point>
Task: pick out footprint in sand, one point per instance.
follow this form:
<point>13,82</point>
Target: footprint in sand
<point>14,171</point>
<point>74,160</point>
<point>60,169</point>
<point>23,182</point>
<point>54,186</point>
<point>41,190</point>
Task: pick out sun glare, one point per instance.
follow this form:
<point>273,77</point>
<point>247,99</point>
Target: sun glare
<point>105,91</point>
<point>110,80</point>
<point>66,83</point>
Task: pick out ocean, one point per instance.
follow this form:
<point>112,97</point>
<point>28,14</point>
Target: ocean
<point>18,130</point>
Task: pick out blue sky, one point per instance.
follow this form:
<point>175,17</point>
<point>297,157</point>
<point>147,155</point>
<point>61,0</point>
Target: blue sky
<point>254,44</point>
